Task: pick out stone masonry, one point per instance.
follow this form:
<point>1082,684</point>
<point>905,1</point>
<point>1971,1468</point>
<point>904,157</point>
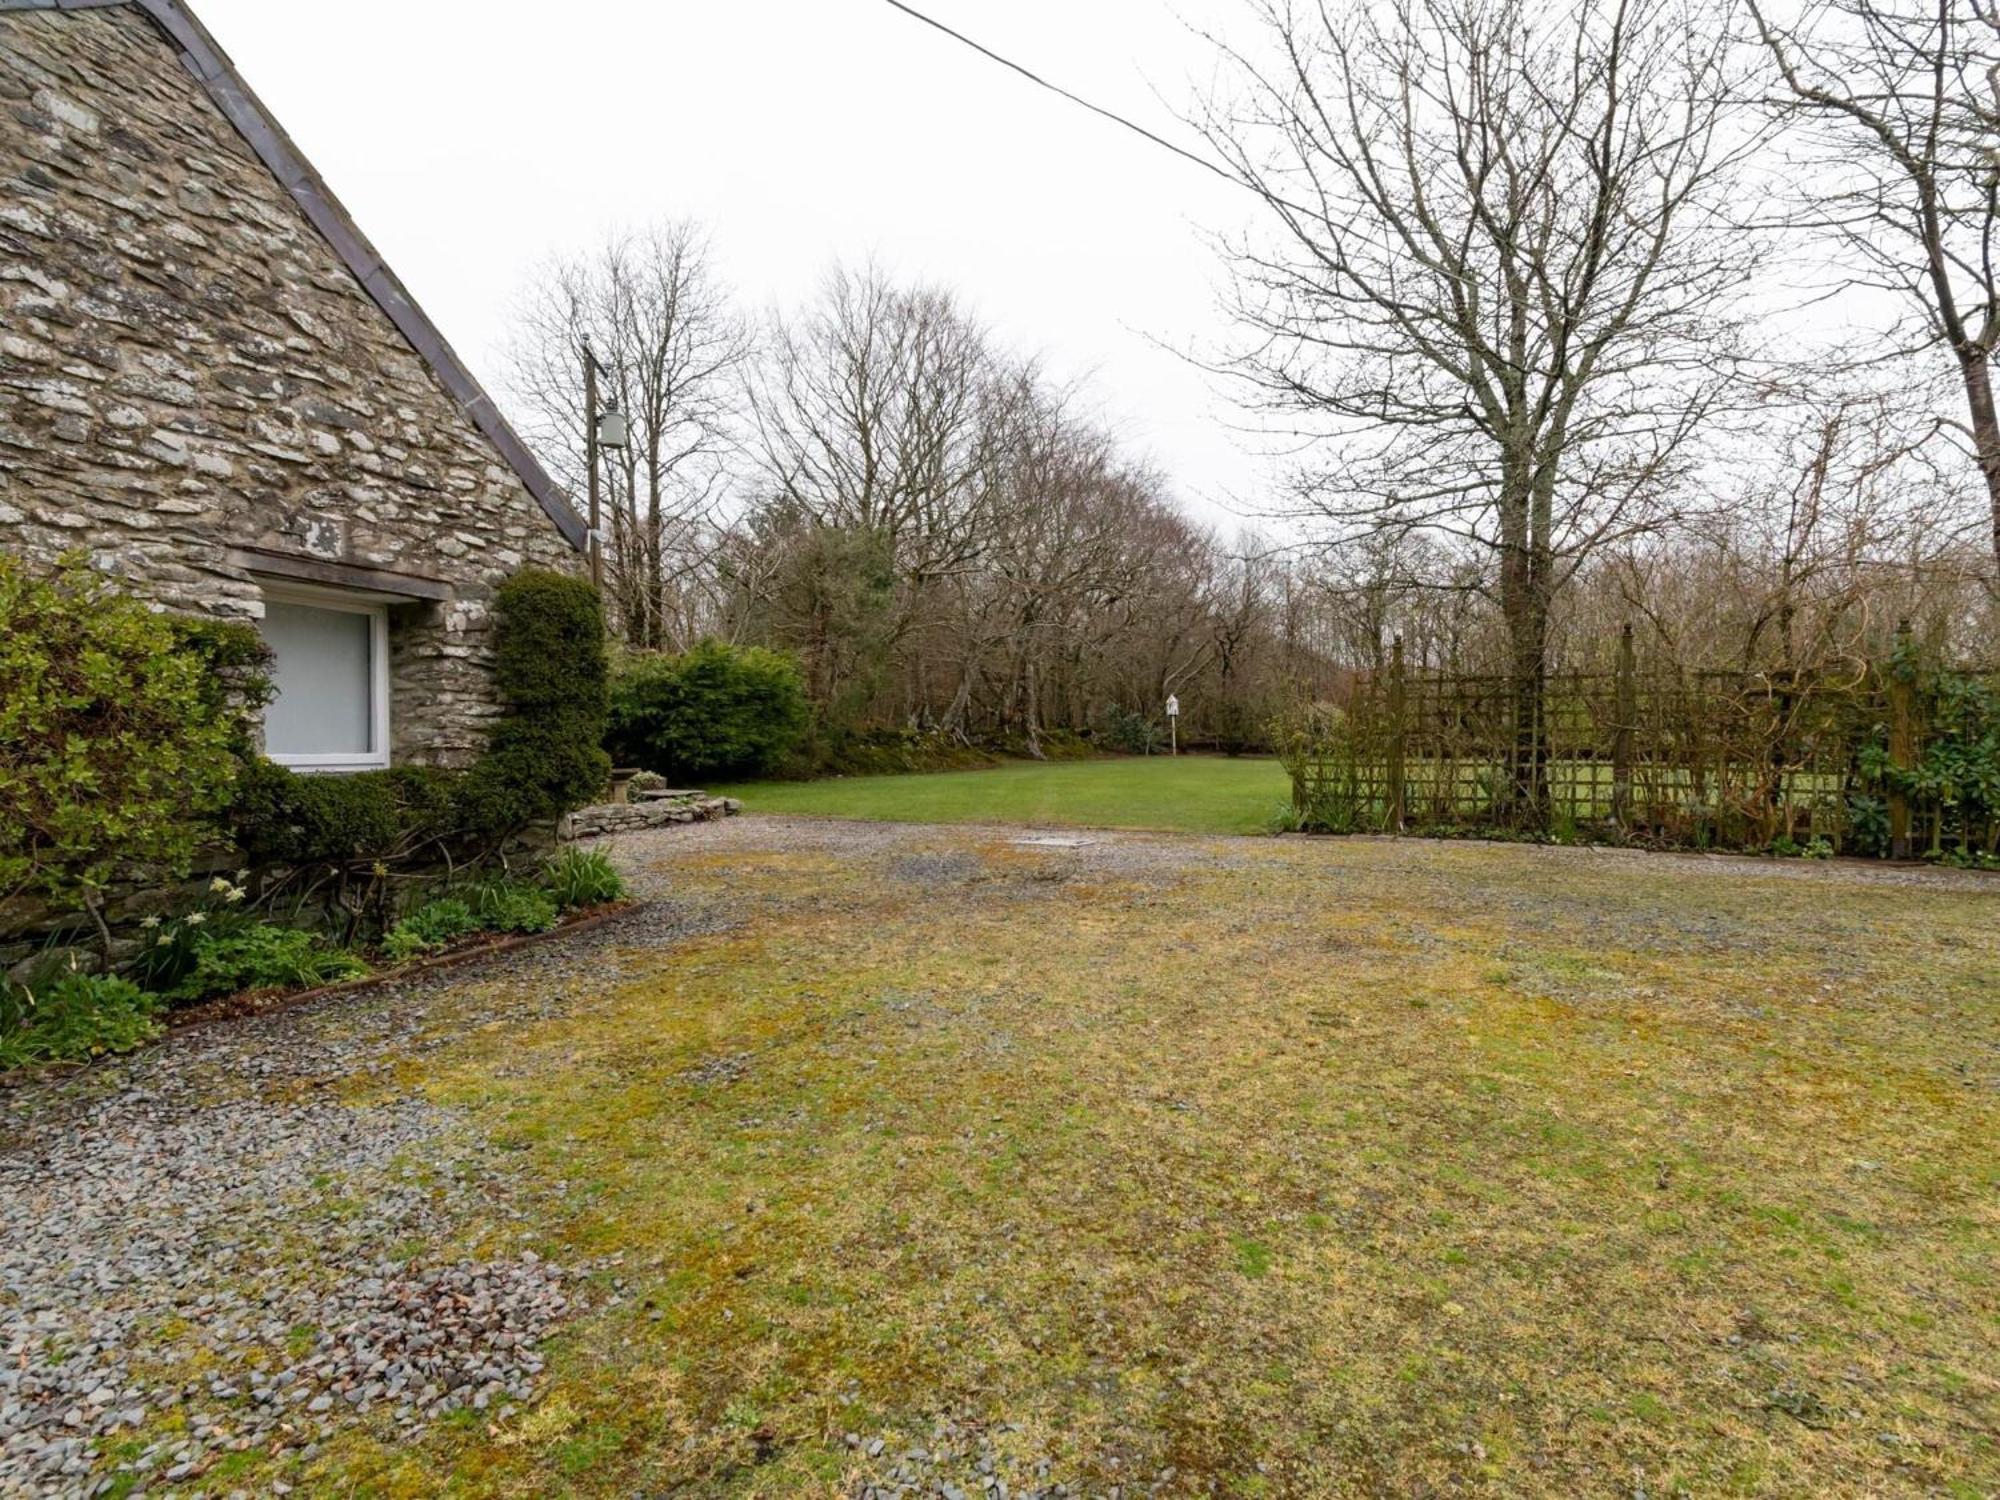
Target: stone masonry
<point>609,818</point>
<point>188,367</point>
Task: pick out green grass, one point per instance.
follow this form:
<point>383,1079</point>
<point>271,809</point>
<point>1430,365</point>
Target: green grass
<point>1187,794</point>
<point>1330,1168</point>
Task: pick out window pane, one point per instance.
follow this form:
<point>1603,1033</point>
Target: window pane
<point>324,675</point>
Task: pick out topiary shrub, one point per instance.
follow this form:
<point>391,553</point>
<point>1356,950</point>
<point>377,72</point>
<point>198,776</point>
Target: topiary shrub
<point>715,711</point>
<point>117,745</point>
<point>546,756</point>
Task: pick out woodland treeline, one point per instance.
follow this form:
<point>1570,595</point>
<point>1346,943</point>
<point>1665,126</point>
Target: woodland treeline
<point>1524,292</point>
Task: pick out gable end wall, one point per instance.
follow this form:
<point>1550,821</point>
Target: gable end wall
<point>187,367</point>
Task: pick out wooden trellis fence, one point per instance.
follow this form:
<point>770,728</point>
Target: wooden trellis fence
<point>1651,753</point>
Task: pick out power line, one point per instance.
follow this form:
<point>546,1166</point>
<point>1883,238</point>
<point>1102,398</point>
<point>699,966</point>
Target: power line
<point>1205,163</point>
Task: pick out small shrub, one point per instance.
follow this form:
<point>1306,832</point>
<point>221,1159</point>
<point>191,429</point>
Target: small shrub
<point>431,926</point>
<point>258,956</point>
<point>513,906</point>
<point>1820,847</point>
<point>1868,825</point>
<point>1133,734</point>
<point>74,1017</point>
<point>715,711</point>
<point>579,877</point>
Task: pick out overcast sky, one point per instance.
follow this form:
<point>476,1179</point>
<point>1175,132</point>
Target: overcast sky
<point>471,138</point>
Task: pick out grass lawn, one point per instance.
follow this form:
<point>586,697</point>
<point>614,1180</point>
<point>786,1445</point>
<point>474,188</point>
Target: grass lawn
<point>1237,1168</point>
<point>1185,794</point>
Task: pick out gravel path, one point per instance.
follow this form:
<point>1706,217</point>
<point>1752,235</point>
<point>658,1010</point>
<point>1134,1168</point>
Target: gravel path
<point>211,1231</point>
<point>243,1230</point>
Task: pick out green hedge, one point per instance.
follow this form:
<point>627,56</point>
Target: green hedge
<point>544,757</point>
<point>715,711</point>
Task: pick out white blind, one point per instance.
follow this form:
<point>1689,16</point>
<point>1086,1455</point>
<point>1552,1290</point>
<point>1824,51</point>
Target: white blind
<point>324,671</point>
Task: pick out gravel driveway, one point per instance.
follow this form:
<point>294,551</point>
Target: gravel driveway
<point>250,1235</point>
<point>240,1228</point>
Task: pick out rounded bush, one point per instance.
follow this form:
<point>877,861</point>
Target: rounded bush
<point>715,711</point>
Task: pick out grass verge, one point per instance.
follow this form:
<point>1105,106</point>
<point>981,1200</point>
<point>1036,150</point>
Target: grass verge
<point>1185,794</point>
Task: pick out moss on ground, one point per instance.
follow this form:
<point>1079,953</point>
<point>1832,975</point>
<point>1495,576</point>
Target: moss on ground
<point>1352,1169</point>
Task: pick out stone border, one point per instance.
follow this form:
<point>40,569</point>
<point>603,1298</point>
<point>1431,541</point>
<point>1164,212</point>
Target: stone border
<point>615,817</point>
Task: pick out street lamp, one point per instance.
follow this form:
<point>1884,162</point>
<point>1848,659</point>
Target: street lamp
<point>605,428</point>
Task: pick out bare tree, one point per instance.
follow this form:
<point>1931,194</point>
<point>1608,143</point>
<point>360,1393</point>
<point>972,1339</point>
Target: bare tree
<point>1498,280</point>
<point>655,312</point>
<point>1899,104</point>
<point>879,411</point>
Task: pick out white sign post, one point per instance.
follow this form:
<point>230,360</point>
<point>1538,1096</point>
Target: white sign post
<point>1174,722</point>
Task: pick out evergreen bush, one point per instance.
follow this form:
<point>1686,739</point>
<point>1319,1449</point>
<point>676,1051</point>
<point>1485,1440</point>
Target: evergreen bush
<point>119,744</point>
<point>715,711</point>
<point>546,756</point>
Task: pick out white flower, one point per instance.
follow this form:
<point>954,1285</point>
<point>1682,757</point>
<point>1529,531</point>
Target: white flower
<point>217,886</point>
<point>234,894</point>
<point>149,921</point>
<point>165,938</point>
<point>196,918</point>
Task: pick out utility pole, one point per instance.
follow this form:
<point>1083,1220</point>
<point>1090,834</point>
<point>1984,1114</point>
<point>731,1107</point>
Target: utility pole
<point>604,430</point>
<point>590,463</point>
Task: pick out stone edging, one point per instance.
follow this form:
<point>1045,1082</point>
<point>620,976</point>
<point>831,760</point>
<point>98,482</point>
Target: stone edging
<point>611,817</point>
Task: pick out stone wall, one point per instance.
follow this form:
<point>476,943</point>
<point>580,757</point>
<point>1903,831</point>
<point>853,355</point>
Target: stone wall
<point>187,367</point>
<point>635,817</point>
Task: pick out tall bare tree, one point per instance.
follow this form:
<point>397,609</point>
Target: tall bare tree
<point>655,312</point>
<point>1497,279</point>
<point>1899,104</point>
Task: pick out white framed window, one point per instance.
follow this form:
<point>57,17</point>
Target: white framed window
<point>330,668</point>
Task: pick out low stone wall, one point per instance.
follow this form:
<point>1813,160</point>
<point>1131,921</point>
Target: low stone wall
<point>34,932</point>
<point>663,812</point>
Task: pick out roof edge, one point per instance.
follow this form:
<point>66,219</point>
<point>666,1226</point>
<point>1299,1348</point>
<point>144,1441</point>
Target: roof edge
<point>239,104</point>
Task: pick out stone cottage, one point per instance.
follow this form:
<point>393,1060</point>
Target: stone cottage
<point>212,386</point>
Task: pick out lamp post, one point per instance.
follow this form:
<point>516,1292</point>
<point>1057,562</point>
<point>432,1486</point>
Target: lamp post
<point>604,429</point>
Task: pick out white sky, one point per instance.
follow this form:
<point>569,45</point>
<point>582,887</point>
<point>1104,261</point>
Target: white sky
<point>470,138</point>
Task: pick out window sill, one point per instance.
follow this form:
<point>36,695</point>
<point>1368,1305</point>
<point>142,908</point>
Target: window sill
<point>322,765</point>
